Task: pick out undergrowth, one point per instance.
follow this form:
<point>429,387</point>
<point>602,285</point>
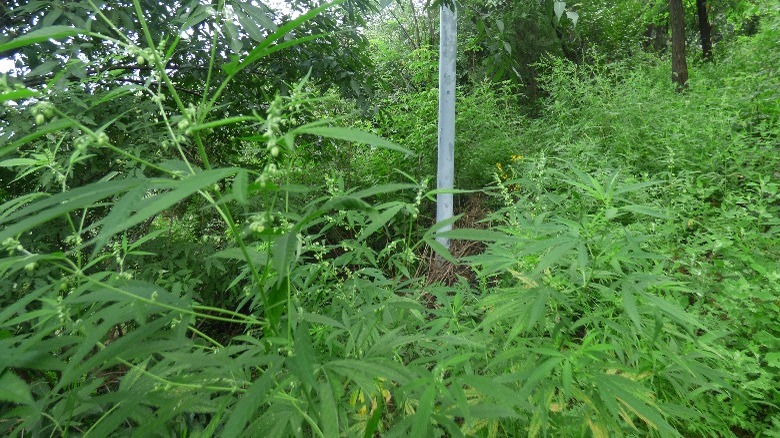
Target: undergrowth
<point>627,285</point>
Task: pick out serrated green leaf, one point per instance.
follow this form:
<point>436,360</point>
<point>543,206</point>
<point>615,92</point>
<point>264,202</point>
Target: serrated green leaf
<point>567,379</point>
<point>372,369</point>
<point>629,305</point>
<point>256,257</point>
<point>156,204</point>
<point>497,391</point>
<point>244,411</point>
<point>645,210</point>
<point>199,14</point>
<point>20,94</point>
<point>540,372</point>
<point>234,38</point>
<point>118,92</point>
<point>385,188</point>
<point>673,311</point>
<point>11,206</point>
<point>773,359</point>
<point>41,35</point>
<point>539,308</point>
<point>123,208</point>
<point>422,418</point>
<point>321,319</point>
<point>284,253</point>
<point>259,15</point>
<point>556,254</point>
<point>628,188</point>
<point>346,203</point>
<point>474,234</point>
<point>44,210</point>
<point>14,389</point>
<point>353,135</point>
<point>373,423</point>
<point>441,250</point>
<point>240,186</point>
<point>329,415</point>
<point>379,221</point>
<point>16,162</point>
<point>40,131</point>
<point>250,27</point>
<point>264,48</point>
<point>634,397</point>
<point>304,359</point>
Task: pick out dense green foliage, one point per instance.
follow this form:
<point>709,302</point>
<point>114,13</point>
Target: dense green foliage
<point>244,249</point>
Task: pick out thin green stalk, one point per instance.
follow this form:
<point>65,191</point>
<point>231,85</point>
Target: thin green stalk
<point>205,336</point>
<point>172,90</point>
<point>109,22</point>
<point>56,424</point>
<point>157,60</point>
<point>223,122</point>
<point>246,319</point>
<point>212,57</point>
<point>228,218</point>
<point>114,148</point>
<point>294,402</point>
<point>234,389</point>
<point>102,417</point>
<point>171,133</point>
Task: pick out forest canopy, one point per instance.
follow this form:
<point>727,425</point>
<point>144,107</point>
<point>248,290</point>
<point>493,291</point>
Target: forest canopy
<point>217,218</point>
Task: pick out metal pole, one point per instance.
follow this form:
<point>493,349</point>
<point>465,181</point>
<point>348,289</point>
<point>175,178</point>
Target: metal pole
<point>448,51</point>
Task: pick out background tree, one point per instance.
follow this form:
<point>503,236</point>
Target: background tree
<point>705,29</point>
<point>679,63</point>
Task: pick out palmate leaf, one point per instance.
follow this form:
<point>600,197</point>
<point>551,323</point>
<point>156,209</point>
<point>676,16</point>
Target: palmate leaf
<point>125,213</point>
<point>256,395</point>
<point>633,399</point>
<point>379,221</point>
<point>42,211</point>
<point>495,390</point>
<point>264,48</point>
<point>536,375</point>
<point>370,369</point>
<point>40,131</point>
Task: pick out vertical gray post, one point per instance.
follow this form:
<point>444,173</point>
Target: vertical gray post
<point>448,51</point>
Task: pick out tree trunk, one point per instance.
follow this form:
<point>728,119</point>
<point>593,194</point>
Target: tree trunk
<point>416,22</point>
<point>677,23</point>
<point>656,38</point>
<point>704,29</point>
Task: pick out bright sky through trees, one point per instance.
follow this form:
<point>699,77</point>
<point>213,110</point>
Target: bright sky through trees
<point>6,65</point>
